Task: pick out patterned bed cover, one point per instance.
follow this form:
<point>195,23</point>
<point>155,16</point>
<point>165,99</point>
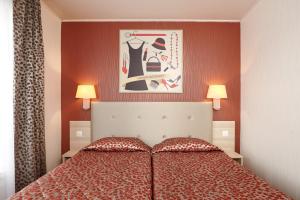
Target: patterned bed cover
<point>206,175</point>
<point>95,175</point>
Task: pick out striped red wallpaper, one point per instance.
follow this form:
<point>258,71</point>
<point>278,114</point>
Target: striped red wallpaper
<point>90,53</point>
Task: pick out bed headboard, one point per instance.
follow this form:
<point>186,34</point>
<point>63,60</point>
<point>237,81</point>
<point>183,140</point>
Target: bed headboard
<point>152,122</point>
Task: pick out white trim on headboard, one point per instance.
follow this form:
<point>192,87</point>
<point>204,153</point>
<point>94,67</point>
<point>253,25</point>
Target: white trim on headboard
<point>152,122</point>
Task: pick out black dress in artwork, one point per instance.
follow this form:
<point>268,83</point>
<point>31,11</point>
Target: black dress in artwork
<point>136,69</point>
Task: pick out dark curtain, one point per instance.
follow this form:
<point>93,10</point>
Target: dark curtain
<point>30,160</point>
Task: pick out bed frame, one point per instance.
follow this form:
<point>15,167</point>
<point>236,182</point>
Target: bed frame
<point>152,122</point>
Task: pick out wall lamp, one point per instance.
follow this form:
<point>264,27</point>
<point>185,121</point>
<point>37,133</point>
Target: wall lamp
<point>217,92</point>
<point>86,92</point>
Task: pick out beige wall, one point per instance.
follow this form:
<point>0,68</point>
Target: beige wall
<point>270,112</point>
<point>52,43</point>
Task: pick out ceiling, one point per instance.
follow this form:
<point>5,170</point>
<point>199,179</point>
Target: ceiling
<point>168,10</point>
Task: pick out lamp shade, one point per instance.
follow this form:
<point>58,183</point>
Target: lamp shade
<point>217,92</point>
<point>85,92</point>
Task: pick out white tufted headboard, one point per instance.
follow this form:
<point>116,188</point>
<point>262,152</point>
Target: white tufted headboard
<point>152,122</point>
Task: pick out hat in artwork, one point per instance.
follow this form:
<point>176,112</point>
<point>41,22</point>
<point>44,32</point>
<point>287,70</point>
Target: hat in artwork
<point>159,44</point>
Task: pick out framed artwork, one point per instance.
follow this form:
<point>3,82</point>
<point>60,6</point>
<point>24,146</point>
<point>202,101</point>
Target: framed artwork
<point>150,61</point>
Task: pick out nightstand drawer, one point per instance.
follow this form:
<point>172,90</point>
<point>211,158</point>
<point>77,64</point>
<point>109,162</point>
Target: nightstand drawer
<point>235,156</point>
<point>68,155</point>
<point>239,160</point>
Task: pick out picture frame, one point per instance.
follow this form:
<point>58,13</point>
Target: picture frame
<point>151,61</point>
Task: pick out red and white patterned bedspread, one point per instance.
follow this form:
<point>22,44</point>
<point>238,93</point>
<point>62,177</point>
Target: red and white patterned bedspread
<point>95,175</point>
<point>206,175</point>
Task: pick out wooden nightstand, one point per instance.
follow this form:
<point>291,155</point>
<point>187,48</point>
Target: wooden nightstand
<point>235,156</point>
<point>68,155</point>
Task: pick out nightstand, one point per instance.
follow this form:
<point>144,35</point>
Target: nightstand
<point>235,156</point>
<point>68,155</point>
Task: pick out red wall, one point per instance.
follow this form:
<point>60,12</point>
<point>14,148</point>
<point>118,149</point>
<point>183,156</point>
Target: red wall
<point>90,53</point>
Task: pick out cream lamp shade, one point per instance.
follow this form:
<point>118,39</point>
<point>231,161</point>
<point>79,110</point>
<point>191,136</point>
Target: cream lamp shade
<point>86,92</point>
<point>217,92</point>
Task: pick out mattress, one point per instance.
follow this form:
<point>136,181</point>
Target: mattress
<point>206,175</point>
<point>95,175</point>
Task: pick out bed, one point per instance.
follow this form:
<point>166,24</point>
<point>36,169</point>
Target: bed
<point>189,168</point>
<point>106,169</point>
<point>207,174</point>
<point>179,172</point>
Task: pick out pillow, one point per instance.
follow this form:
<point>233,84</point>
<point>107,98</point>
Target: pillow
<point>184,144</point>
<point>118,144</point>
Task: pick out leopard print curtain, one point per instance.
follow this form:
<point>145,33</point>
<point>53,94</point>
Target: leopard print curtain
<point>30,161</point>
